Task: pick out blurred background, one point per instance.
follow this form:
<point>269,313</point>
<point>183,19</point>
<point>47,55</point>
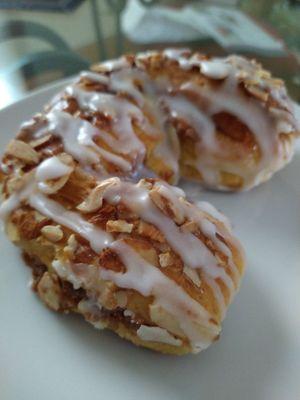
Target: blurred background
<point>45,40</point>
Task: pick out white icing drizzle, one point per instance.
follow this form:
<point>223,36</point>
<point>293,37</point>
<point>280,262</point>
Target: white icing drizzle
<point>249,111</point>
<point>52,168</point>
<point>210,209</point>
<point>64,272</point>
<point>179,55</point>
<point>85,138</point>
<point>193,251</point>
<point>148,280</point>
<point>13,202</point>
<point>118,63</point>
<point>182,108</point>
<point>120,81</point>
<point>97,238</point>
<point>123,81</point>
<point>216,68</point>
<point>69,129</point>
<point>218,294</point>
<point>168,148</point>
<point>122,113</point>
<point>94,76</point>
<point>77,136</point>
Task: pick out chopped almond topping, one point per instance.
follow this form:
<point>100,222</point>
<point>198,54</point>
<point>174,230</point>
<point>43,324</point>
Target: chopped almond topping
<point>119,226</point>
<point>108,259</point>
<point>52,186</point>
<point>166,205</point>
<point>165,320</point>
<point>193,275</point>
<point>121,297</point>
<point>27,224</point>
<point>49,291</point>
<point>144,184</point>
<point>242,75</point>
<point>165,259</point>
<point>66,159</point>
<point>52,233</point>
<point>95,199</point>
<point>107,296</point>
<point>38,142</point>
<point>13,184</point>
<point>22,151</point>
<point>262,73</point>
<point>150,231</point>
<point>257,92</point>
<point>124,212</point>
<point>71,247</point>
<point>189,226</point>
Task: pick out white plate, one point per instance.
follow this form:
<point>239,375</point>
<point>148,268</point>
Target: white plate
<point>46,356</point>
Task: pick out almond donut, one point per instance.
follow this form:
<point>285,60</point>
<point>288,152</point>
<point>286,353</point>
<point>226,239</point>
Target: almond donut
<point>87,191</point>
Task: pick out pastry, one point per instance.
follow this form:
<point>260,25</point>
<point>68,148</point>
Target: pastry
<point>87,191</point>
<point>225,123</point>
<point>136,258</point>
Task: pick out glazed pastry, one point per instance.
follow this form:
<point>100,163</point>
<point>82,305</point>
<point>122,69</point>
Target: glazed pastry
<point>136,258</point>
<point>133,254</point>
<point>223,122</point>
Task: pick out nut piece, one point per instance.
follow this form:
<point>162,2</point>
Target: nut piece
<point>193,275</point>
<point>38,142</point>
<point>95,199</point>
<point>166,204</point>
<point>49,291</point>
<point>121,297</point>
<point>257,92</point>
<point>150,231</point>
<point>71,247</point>
<point>189,226</point>
<point>144,184</point>
<point>52,233</point>
<point>106,295</point>
<point>22,151</point>
<point>165,259</point>
<point>54,185</point>
<point>14,184</point>
<point>162,318</point>
<point>157,334</point>
<point>119,226</point>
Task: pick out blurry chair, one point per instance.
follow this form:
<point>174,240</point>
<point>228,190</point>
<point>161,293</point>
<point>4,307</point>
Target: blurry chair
<point>61,58</point>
